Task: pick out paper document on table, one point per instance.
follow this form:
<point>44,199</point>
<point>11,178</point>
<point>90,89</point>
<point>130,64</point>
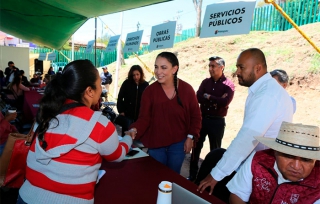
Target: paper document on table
<point>100,174</point>
<point>140,154</point>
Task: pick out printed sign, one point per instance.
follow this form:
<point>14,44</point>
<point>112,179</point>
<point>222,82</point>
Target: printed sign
<point>42,56</point>
<point>112,43</point>
<point>51,56</point>
<point>227,18</point>
<point>89,46</point>
<point>133,41</point>
<point>162,36</point>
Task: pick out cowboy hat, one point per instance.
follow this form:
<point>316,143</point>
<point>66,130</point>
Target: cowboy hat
<point>295,139</point>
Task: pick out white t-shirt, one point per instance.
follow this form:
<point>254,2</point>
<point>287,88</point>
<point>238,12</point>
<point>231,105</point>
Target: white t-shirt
<point>241,183</point>
<point>267,106</point>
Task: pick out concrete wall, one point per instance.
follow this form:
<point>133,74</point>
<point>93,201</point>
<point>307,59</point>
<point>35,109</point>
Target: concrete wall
<point>21,58</point>
<point>19,55</point>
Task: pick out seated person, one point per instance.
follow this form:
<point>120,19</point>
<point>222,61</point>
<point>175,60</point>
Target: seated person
<point>51,72</point>
<point>35,79</point>
<point>6,128</point>
<point>24,81</point>
<point>17,90</point>
<point>47,78</point>
<point>282,78</point>
<point>60,70</point>
<point>289,172</point>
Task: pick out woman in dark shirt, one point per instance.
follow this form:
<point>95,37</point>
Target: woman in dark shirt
<point>128,103</point>
<point>51,72</point>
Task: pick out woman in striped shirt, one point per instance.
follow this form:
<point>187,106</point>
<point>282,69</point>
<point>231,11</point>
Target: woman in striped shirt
<point>71,140</point>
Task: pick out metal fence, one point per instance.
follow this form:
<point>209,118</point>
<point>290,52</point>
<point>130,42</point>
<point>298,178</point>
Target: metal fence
<point>265,18</point>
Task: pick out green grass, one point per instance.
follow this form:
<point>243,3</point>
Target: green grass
<point>315,64</point>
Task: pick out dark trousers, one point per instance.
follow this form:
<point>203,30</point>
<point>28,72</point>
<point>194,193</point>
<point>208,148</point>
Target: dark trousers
<point>212,158</point>
<point>214,128</point>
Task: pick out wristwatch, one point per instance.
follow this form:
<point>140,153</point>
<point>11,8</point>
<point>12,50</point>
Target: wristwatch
<point>190,136</point>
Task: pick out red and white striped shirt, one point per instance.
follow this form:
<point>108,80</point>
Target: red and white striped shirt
<point>66,172</point>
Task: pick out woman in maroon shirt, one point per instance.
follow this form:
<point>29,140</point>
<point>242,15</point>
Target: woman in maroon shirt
<point>169,116</point>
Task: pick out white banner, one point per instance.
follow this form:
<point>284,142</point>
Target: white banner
<point>162,36</point>
<point>112,43</point>
<point>227,18</point>
<point>89,46</point>
<point>51,56</point>
<point>42,56</point>
<point>133,41</point>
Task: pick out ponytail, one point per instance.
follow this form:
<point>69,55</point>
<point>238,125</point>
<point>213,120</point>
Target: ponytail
<point>175,81</point>
<point>52,101</point>
<point>70,84</point>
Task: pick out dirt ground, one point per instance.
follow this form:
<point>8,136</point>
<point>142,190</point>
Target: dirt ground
<point>284,50</point>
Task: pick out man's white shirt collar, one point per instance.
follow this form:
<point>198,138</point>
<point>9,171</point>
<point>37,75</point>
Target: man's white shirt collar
<point>256,85</point>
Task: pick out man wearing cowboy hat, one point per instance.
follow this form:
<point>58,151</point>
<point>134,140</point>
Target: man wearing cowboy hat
<point>289,172</point>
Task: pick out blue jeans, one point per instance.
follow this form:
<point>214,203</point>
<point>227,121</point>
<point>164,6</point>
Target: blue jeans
<point>172,156</point>
<point>20,201</point>
<point>2,148</point>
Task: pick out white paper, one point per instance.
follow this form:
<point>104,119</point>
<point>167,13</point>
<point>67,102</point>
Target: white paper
<point>100,174</point>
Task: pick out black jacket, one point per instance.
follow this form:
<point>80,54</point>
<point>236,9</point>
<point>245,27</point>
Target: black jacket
<point>129,98</point>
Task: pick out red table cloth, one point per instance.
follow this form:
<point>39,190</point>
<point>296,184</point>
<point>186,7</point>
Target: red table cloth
<point>136,181</point>
<point>29,109</point>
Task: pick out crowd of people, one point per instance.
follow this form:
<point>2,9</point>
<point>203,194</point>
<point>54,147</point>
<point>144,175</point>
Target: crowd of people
<point>270,160</point>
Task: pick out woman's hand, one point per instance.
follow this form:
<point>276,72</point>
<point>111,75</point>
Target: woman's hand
<point>10,116</point>
<point>188,144</point>
<point>132,133</point>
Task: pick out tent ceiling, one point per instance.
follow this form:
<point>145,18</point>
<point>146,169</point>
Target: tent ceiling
<point>52,22</point>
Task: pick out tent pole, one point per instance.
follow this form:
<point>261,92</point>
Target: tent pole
<point>95,41</point>
<point>115,92</point>
<point>72,48</point>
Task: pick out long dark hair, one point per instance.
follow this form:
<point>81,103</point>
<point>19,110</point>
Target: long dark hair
<point>70,84</point>
<point>15,82</point>
<point>172,58</point>
<point>136,68</point>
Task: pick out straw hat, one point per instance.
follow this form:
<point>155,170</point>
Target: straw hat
<point>295,139</point>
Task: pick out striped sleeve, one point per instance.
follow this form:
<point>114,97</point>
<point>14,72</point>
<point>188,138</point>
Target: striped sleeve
<point>105,136</point>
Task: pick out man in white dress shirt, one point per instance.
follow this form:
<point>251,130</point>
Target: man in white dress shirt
<point>288,172</point>
<point>267,105</point>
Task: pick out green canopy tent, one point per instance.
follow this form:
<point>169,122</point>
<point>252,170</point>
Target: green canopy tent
<point>52,22</point>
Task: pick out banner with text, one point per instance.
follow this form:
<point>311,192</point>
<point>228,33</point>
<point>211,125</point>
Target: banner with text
<point>112,43</point>
<point>228,18</point>
<point>133,41</point>
<point>51,56</point>
<point>89,46</point>
<point>162,36</point>
<point>42,56</point>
